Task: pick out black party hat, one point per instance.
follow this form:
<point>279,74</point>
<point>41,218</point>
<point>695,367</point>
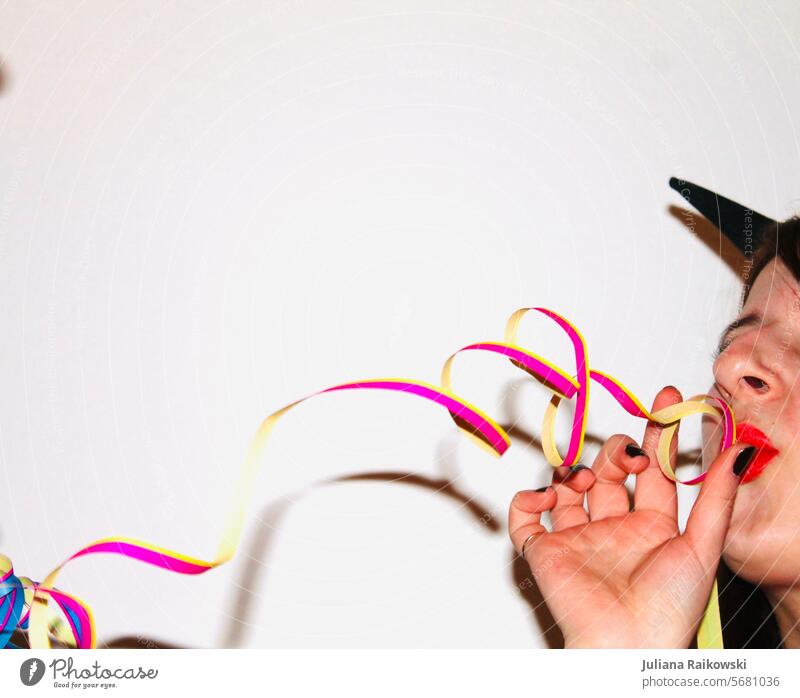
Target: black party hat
<point>744,227</point>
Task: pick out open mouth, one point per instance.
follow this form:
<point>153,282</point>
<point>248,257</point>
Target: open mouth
<point>749,434</point>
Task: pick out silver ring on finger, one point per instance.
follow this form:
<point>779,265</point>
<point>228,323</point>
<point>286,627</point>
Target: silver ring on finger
<point>525,543</point>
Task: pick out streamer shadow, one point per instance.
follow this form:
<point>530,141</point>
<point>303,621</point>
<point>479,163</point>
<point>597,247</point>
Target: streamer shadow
<point>253,573</point>
<point>261,537</point>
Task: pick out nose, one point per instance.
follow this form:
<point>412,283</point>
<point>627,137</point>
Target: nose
<point>751,369</point>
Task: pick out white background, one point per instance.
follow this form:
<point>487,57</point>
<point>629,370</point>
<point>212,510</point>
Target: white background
<point>208,210</point>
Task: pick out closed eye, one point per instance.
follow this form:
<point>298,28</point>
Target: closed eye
<point>721,348</point>
<point>747,321</point>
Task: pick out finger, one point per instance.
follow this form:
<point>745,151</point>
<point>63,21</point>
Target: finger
<point>525,514</point>
<point>570,485</point>
<point>619,456</point>
<point>654,491</point>
<point>711,514</point>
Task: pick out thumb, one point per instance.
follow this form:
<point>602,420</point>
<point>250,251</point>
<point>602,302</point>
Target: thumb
<point>711,515</point>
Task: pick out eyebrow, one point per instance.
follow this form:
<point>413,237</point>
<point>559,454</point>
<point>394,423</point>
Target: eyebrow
<point>746,321</point>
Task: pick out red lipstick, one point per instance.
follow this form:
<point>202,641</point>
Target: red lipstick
<point>749,434</point>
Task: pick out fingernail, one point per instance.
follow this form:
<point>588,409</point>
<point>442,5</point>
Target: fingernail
<point>575,469</point>
<point>743,460</point>
<point>542,489</point>
<point>633,450</point>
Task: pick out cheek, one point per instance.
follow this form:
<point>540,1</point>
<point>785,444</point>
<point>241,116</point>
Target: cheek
<point>764,555</point>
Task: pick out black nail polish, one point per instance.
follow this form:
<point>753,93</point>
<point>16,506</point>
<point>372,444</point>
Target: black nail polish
<point>633,450</point>
<point>743,460</point>
<point>542,489</point>
<point>575,469</point>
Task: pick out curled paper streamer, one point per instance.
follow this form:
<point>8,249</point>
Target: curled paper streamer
<point>24,603</point>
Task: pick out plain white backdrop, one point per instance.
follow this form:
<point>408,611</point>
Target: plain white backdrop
<point>211,209</point>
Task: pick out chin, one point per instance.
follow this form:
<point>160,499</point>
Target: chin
<point>764,552</point>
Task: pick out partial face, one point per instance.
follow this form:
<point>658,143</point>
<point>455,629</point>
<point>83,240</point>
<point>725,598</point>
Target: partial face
<point>758,373</point>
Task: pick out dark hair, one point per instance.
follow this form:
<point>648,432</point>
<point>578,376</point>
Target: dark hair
<point>748,620</point>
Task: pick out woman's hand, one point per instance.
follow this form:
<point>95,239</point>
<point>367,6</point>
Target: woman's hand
<point>613,577</point>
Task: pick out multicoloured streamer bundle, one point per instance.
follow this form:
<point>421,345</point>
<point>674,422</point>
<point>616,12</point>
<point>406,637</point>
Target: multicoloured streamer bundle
<point>24,603</point>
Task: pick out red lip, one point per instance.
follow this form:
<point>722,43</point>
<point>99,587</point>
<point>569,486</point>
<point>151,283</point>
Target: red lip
<point>749,434</point>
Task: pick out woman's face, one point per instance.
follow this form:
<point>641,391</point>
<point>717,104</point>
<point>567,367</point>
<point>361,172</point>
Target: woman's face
<point>758,373</point>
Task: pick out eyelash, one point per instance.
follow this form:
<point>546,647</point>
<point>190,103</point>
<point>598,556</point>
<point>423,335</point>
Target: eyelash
<point>717,352</point>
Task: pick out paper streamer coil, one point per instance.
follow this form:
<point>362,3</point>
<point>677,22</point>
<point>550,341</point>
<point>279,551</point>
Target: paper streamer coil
<point>24,603</point>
